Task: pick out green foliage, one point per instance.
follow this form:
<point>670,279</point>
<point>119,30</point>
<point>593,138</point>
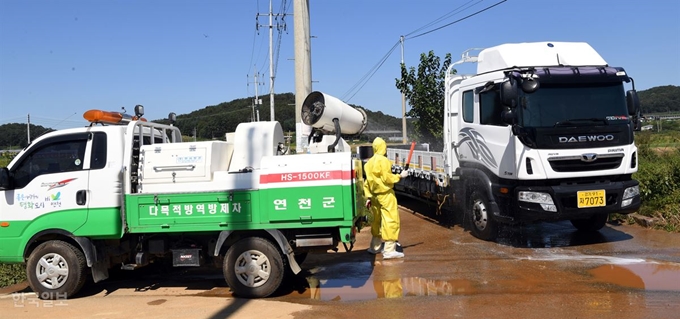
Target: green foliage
<point>13,135</point>
<point>11,274</point>
<point>660,99</point>
<point>424,89</point>
<point>6,157</point>
<point>659,177</point>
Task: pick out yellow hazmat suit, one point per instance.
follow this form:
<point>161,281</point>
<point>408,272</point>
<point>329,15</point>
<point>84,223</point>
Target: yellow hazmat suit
<point>378,189</point>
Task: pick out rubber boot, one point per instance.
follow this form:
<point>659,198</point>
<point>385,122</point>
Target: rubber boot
<point>390,251</point>
<point>376,246</point>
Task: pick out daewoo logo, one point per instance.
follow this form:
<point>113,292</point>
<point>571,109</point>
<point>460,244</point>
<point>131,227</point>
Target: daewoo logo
<point>586,138</point>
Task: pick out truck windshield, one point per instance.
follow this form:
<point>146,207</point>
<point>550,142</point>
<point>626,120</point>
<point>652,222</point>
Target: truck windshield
<point>574,104</point>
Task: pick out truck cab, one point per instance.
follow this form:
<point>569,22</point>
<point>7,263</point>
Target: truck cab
<point>543,131</point>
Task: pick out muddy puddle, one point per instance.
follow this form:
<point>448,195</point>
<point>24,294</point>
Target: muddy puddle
<point>362,289</point>
<point>646,276</point>
<point>341,290</point>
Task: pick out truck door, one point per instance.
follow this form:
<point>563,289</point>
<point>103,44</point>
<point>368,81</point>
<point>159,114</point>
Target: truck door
<point>484,137</point>
<point>49,188</point>
<point>499,142</point>
<point>104,189</point>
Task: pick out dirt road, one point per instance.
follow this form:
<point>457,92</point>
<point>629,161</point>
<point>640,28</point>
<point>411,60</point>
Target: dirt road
<point>537,271</point>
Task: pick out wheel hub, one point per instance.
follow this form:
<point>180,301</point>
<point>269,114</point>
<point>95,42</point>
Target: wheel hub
<point>252,268</point>
<point>52,271</point>
<point>480,217</point>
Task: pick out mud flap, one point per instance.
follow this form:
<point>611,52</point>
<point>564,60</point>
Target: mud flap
<point>98,265</point>
<point>285,247</point>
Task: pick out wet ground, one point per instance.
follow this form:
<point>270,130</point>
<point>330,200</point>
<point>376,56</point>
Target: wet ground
<point>538,271</point>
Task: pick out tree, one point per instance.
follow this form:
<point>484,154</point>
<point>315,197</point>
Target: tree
<point>424,91</point>
<point>13,135</point>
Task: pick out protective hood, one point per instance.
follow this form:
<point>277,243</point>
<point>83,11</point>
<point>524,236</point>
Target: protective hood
<point>379,176</point>
<point>379,146</point>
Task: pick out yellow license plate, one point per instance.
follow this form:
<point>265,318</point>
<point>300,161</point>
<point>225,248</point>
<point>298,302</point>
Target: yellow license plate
<point>595,198</point>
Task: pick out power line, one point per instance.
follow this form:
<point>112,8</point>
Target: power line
<point>447,15</point>
<point>459,20</point>
<point>252,53</point>
<point>12,118</point>
<point>369,74</point>
<point>362,82</point>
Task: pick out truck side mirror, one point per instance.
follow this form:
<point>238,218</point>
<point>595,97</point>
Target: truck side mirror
<point>509,93</point>
<point>4,178</point>
<point>508,116</point>
<point>633,102</point>
<point>530,85</point>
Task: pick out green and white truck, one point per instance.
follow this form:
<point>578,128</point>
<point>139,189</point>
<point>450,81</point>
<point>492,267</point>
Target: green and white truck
<point>124,192</point>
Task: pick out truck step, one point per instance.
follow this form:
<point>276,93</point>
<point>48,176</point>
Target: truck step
<point>141,259</point>
<point>130,266</point>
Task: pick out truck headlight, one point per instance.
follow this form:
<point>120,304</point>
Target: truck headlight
<point>629,194</point>
<point>539,198</point>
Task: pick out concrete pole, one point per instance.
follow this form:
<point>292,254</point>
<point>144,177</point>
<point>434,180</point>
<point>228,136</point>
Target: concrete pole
<point>403,99</point>
<point>271,62</point>
<point>257,97</point>
<point>28,128</point>
<point>303,69</point>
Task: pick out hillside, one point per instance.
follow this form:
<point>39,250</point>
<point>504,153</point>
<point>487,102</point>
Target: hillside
<point>13,135</point>
<point>216,120</point>
<point>660,99</point>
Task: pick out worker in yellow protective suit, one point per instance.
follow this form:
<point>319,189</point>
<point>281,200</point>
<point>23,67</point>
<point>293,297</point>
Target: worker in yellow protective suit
<point>382,202</point>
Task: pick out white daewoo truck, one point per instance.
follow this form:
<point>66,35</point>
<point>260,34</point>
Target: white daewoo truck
<point>542,132</point>
<point>123,192</point>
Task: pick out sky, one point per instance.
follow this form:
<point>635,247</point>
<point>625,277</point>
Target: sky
<point>59,59</point>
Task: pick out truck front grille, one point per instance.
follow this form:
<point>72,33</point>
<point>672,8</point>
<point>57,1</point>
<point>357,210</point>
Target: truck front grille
<point>566,164</point>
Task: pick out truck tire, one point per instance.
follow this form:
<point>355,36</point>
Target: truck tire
<point>56,270</point>
<point>253,267</point>
<point>482,224</point>
<point>594,223</point>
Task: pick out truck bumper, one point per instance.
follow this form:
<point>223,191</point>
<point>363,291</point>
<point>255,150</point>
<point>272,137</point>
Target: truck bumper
<point>564,197</point>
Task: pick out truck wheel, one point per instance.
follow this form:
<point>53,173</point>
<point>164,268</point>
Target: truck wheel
<point>56,270</point>
<point>253,267</point>
<point>594,223</point>
<point>482,224</point>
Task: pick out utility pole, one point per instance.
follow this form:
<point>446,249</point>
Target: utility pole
<point>257,101</point>
<point>303,69</point>
<point>28,129</point>
<point>271,55</point>
<point>403,98</point>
